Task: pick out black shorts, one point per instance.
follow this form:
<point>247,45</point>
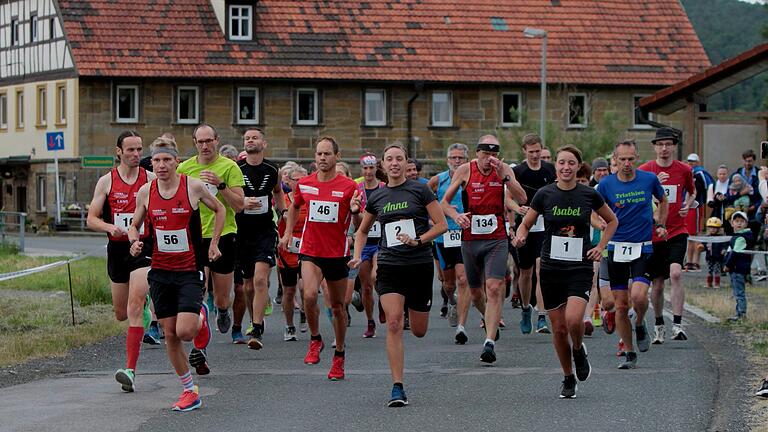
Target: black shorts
<point>255,248</point>
<point>557,286</point>
<point>226,262</point>
<point>620,273</point>
<point>448,257</point>
<point>333,269</point>
<point>238,275</point>
<point>120,263</point>
<point>289,276</point>
<point>416,288</point>
<point>174,292</point>
<point>526,255</point>
<point>667,253</point>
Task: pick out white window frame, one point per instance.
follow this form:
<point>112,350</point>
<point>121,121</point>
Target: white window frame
<point>238,107</point>
<point>316,119</point>
<point>135,118</point>
<point>40,192</point>
<point>586,111</point>
<point>42,105</point>
<point>374,122</point>
<point>20,109</point>
<point>634,106</point>
<point>519,121</point>
<point>61,103</point>
<point>3,110</point>
<point>15,32</point>
<point>436,122</point>
<point>239,21</point>
<point>196,118</point>
<point>33,33</point>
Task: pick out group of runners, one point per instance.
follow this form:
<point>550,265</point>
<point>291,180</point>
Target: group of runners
<point>572,244</point>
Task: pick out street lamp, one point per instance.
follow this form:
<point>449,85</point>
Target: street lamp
<point>539,33</point>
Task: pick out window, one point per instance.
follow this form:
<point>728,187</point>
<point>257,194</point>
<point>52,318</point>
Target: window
<point>442,108</point>
<point>306,106</point>
<point>187,105</point>
<point>240,22</point>
<point>42,106</point>
<point>14,31</point>
<point>127,104</point>
<point>41,192</point>
<point>510,109</point>
<point>577,110</point>
<point>247,105</point>
<point>20,109</point>
<point>51,28</point>
<point>637,114</point>
<point>375,107</point>
<point>33,28</point>
<point>3,112</point>
<point>61,103</point>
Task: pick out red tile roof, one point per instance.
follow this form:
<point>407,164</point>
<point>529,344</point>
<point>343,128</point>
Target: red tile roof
<point>615,42</point>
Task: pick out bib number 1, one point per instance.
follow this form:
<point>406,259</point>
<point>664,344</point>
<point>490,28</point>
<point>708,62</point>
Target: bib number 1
<point>566,248</point>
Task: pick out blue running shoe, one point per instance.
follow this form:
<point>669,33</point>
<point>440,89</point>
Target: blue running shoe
<point>541,325</point>
<point>152,336</point>
<point>238,338</point>
<point>398,398</point>
<point>525,320</point>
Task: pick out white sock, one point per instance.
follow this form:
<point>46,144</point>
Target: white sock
<point>490,341</point>
<point>459,328</point>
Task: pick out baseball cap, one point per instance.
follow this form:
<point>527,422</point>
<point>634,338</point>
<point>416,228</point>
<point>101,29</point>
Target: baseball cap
<point>739,213</point>
<point>693,157</point>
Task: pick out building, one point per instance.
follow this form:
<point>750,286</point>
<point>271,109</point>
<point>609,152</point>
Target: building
<point>425,72</point>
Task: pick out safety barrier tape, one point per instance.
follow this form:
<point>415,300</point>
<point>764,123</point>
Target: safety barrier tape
<point>42,268</point>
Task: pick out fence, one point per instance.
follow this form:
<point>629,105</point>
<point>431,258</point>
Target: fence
<point>13,222</point>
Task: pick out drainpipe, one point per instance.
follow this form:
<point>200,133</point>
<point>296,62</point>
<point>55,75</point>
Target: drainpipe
<point>419,86</point>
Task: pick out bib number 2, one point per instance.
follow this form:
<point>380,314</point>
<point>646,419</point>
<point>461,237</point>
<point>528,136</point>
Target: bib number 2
<point>393,229</point>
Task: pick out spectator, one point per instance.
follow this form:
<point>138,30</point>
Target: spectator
<point>738,263</point>
<point>229,151</point>
<point>716,193</point>
<point>749,172</point>
<point>701,180</point>
<point>600,169</point>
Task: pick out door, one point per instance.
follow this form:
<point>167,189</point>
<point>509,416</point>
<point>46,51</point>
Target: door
<point>21,199</point>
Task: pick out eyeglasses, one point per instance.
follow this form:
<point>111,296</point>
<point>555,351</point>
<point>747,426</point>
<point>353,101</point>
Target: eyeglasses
<point>205,141</point>
<point>456,157</point>
<point>664,144</point>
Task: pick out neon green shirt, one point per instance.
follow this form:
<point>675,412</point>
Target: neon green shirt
<point>228,171</point>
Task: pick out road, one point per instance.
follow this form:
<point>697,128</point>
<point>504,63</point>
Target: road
<point>68,245</point>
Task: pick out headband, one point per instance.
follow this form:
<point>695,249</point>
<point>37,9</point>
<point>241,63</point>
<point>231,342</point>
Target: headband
<point>171,151</point>
<point>493,148</point>
<point>368,160</point>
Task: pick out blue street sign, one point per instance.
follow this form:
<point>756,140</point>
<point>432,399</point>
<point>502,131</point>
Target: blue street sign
<point>55,140</point>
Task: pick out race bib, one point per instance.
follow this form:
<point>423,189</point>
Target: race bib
<point>172,241</point>
<point>506,225</point>
<point>211,188</point>
<point>671,192</point>
<point>375,231</point>
<point>626,252</point>
<point>452,238</point>
<point>124,221</point>
<point>262,205</point>
<point>323,211</point>
<point>539,225</point>
<point>483,224</point>
<point>566,248</point>
<point>393,229</point>
<point>295,245</point>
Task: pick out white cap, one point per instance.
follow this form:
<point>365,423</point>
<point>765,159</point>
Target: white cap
<point>739,213</point>
<point>693,157</point>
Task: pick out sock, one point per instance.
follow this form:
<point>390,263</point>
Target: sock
<point>660,320</point>
<point>258,329</point>
<point>640,332</point>
<point>717,281</point>
<point>398,385</point>
<point>570,378</point>
<point>459,328</point>
<point>677,319</point>
<point>542,314</point>
<point>153,324</point>
<point>223,311</point>
<point>452,301</point>
<point>236,328</point>
<point>338,354</point>
<point>316,338</point>
<point>372,322</point>
<point>527,307</point>
<point>186,381</point>
<point>490,341</point>
<point>133,346</point>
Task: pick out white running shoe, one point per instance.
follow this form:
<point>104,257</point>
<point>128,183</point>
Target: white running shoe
<point>659,333</point>
<point>678,333</point>
<point>453,316</point>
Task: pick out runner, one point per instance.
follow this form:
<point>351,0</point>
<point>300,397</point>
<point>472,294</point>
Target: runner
<point>224,180</point>
<point>171,203</point>
<point>629,193</point>
<point>370,184</point>
<point>449,249</point>
<point>111,210</point>
<point>484,237</point>
<point>256,230</point>
<point>331,201</point>
<point>567,259</point>
<point>404,209</point>
<point>533,174</point>
<point>669,251</point>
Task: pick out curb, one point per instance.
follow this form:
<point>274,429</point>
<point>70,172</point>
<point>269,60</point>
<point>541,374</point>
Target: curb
<point>696,311</point>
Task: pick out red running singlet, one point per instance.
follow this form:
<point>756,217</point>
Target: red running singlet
<point>121,203</point>
<point>178,234</point>
<point>483,198</point>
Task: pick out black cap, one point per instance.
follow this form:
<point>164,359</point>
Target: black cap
<point>666,133</point>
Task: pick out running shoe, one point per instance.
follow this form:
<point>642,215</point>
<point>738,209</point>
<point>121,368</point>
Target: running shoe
<point>525,320</point>
<point>482,323</point>
<point>541,325</point>
<point>333,344</point>
<point>609,322</point>
<point>126,377</point>
<point>197,359</point>
<point>659,334</point>
<point>588,327</point>
<point>146,315</point>
<point>268,307</point>
<point>568,389</point>
<point>313,353</point>
<point>736,318</point>
<point>357,302</point>
<point>279,296</point>
<point>238,338</point>
<point>302,322</point>
<point>249,330</point>
<point>488,355</point>
<point>397,398</point>
<point>678,333</point>
<point>211,306</point>
<point>641,336</point>
<point>583,368</point>
<point>516,303</point>
<point>223,321</point>
<point>337,369</point>
<point>203,336</point>
<point>289,334</point>
<point>621,352</point>
<point>461,336</point>
<point>453,316</point>
<point>152,336</point>
<point>444,310</point>
<point>763,390</point>
<point>382,316</point>
<point>502,324</point>
<point>255,342</point>
<point>370,332</point>
<point>188,401</point>
<point>630,361</point>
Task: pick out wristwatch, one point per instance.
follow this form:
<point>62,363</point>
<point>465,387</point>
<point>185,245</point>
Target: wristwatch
<point>221,186</point>
<point>658,225</point>
<point>418,241</point>
<point>506,179</point>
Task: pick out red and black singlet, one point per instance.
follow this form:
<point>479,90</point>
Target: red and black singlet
<point>121,203</point>
<point>177,230</point>
<point>483,198</point>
